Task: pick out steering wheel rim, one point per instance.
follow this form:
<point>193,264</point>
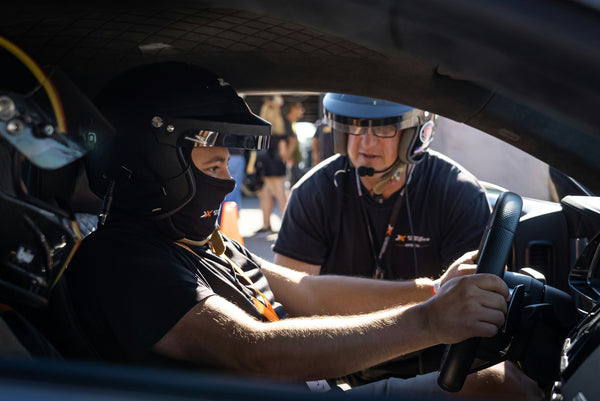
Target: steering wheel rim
<point>493,252</point>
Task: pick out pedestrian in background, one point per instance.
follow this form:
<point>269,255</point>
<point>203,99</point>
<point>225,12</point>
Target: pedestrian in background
<point>271,163</point>
<point>293,112</point>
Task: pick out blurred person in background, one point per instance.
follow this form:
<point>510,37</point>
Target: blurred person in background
<point>293,112</point>
<point>271,163</point>
<point>322,142</point>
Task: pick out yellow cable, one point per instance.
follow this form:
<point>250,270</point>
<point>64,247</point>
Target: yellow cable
<point>42,79</point>
<point>77,237</point>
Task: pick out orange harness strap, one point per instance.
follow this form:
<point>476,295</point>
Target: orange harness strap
<point>265,308</point>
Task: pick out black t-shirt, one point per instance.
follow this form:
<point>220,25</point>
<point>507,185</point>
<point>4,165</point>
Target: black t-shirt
<point>324,221</point>
<point>130,285</point>
<point>269,163</point>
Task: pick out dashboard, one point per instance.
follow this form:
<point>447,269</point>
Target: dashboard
<point>580,356</point>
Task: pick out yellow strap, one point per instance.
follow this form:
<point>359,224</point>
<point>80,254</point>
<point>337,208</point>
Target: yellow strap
<point>265,308</point>
<point>57,107</point>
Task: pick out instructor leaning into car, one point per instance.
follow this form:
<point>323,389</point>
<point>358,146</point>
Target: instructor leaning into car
<point>385,207</point>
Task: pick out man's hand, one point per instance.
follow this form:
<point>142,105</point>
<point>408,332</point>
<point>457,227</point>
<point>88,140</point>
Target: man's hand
<point>462,266</point>
<point>465,307</point>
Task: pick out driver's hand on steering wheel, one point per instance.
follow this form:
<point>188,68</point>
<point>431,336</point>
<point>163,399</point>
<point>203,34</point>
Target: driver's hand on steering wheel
<point>465,307</point>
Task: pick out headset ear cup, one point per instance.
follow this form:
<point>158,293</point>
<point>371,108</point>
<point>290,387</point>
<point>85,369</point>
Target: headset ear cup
<point>340,142</point>
<point>415,142</point>
<point>406,145</point>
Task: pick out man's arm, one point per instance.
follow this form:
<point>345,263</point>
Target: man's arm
<point>300,286</point>
<point>286,148</point>
<point>220,334</point>
<point>296,264</point>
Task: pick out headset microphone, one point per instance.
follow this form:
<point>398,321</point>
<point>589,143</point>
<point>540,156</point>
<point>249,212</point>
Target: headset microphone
<point>363,171</point>
<point>370,171</point>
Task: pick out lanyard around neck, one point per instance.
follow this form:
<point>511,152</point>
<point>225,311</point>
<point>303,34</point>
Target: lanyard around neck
<point>264,307</point>
<point>379,273</point>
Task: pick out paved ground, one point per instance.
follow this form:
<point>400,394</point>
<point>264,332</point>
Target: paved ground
<point>251,221</point>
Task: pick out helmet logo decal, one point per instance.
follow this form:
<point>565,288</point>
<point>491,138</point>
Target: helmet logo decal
<point>222,82</point>
<point>426,132</point>
<point>198,140</point>
<point>209,213</point>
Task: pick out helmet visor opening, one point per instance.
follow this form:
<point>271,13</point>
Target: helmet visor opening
<point>192,133</point>
<point>382,131</point>
<point>380,127</point>
<point>211,138</point>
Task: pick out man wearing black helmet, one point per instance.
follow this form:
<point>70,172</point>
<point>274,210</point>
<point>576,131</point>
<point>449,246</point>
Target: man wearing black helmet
<point>157,283</point>
<point>403,211</point>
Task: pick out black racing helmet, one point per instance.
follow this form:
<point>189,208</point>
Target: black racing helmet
<point>46,126</point>
<point>161,111</point>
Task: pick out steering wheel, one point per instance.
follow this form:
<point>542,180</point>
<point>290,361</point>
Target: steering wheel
<point>493,252</point>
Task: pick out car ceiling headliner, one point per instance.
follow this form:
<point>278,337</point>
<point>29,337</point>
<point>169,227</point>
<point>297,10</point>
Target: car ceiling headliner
<point>525,72</point>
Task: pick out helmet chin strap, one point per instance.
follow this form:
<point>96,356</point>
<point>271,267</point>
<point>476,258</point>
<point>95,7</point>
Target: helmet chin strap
<point>394,171</point>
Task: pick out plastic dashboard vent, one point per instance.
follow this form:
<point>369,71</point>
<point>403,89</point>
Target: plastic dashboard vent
<point>540,256</point>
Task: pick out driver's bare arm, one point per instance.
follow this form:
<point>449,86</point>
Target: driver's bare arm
<point>307,295</point>
<point>218,333</point>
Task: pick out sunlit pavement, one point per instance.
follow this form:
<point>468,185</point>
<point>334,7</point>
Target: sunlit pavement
<point>251,221</point>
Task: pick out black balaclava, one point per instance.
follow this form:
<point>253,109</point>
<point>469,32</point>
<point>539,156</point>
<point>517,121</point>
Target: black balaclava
<point>197,220</point>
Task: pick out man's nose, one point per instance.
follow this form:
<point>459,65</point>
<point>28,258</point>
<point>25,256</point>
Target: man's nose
<point>369,138</point>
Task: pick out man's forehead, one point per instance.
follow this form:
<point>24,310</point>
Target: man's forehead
<point>210,154</point>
